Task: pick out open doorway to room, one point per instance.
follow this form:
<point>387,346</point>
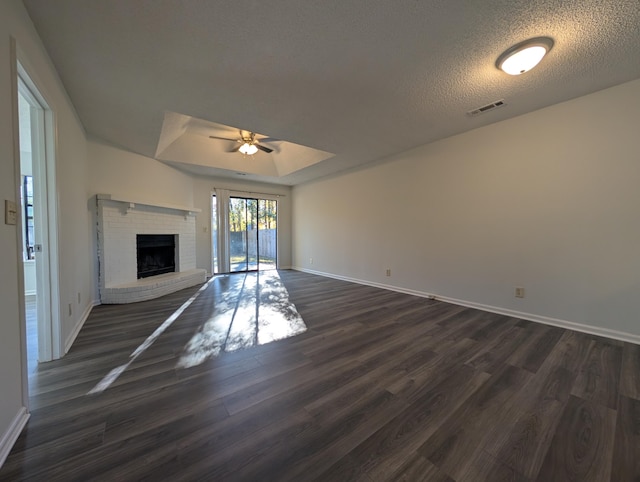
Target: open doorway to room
<point>38,232</point>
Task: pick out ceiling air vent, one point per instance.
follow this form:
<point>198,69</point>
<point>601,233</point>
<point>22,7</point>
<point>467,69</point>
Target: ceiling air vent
<point>486,108</point>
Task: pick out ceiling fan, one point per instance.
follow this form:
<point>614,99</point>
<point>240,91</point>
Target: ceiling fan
<point>249,145</point>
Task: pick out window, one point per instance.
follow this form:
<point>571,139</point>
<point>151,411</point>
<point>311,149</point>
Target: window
<point>27,203</point>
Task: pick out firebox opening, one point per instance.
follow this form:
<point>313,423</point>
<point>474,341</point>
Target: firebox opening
<point>156,254</point>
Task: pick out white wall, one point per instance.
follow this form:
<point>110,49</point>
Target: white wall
<point>126,175</point>
<point>133,177</point>
<point>74,219</point>
<point>203,188</point>
<point>548,201</point>
<point>10,356</point>
<point>75,225</point>
<point>30,287</point>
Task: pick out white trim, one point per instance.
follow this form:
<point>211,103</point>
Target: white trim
<point>51,156</point>
<point>72,336</point>
<point>569,325</point>
<point>188,211</point>
<point>45,149</point>
<point>259,195</point>
<point>222,212</point>
<point>13,432</point>
<point>16,160</point>
<point>211,231</point>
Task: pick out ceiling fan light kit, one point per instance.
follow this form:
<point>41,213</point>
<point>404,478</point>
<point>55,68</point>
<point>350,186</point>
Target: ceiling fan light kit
<point>249,145</point>
<point>248,149</point>
<point>524,56</point>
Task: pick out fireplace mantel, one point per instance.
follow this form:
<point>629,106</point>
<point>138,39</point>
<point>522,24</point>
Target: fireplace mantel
<point>131,204</point>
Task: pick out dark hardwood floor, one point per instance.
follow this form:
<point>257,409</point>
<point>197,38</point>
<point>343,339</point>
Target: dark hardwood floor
<point>380,386</point>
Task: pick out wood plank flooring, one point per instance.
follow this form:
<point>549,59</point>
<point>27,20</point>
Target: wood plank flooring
<point>381,386</point>
<point>32,333</point>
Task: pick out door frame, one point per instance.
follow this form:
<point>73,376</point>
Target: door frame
<point>223,231</point>
<point>246,198</point>
<point>50,345</point>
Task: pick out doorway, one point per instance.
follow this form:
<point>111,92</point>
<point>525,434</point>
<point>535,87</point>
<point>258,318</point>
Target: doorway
<point>252,234</point>
<point>38,234</point>
<point>244,232</point>
<point>28,228</point>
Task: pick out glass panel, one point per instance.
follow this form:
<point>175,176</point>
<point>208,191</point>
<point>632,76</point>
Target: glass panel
<point>267,234</point>
<point>252,234</point>
<point>238,234</point>
<point>27,203</point>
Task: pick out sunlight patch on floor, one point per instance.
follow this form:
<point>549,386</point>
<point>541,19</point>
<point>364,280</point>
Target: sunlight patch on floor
<point>262,314</point>
<point>113,375</point>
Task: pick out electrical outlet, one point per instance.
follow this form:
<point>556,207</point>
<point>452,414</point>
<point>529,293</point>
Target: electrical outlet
<point>310,260</point>
<point>519,292</point>
<point>388,272</point>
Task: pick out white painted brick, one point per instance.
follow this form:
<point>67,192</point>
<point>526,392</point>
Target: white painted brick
<point>117,230</point>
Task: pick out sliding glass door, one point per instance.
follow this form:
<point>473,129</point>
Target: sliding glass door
<point>252,234</point>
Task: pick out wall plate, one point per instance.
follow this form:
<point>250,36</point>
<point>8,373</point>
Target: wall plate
<point>10,212</point>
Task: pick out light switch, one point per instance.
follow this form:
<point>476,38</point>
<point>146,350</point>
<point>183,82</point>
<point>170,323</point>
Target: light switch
<point>10,212</point>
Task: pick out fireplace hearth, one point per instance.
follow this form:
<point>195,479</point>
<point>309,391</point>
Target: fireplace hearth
<point>156,254</point>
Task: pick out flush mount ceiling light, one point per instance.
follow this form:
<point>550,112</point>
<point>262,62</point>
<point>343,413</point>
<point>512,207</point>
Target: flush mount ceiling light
<point>524,56</point>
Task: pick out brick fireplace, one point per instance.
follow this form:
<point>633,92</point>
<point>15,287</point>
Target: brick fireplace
<point>120,224</point>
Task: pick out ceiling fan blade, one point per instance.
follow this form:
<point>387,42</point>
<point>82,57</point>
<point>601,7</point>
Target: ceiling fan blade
<point>267,139</point>
<point>264,149</point>
<point>235,149</point>
<point>224,139</point>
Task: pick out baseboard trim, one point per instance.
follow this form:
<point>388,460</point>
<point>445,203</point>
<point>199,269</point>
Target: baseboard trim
<point>72,336</point>
<point>569,325</point>
<point>13,432</point>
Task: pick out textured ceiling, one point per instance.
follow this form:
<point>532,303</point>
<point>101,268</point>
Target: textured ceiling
<point>363,79</point>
